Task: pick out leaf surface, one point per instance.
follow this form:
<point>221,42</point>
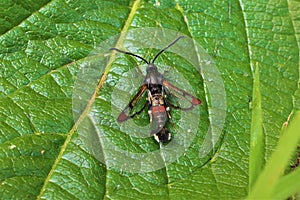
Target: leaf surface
<point>41,54</point>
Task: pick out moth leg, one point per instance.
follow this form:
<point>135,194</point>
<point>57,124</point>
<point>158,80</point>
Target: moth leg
<point>149,105</point>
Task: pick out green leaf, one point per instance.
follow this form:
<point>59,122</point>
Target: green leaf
<point>256,157</point>
<point>14,13</point>
<point>286,185</point>
<point>269,181</point>
<point>44,46</point>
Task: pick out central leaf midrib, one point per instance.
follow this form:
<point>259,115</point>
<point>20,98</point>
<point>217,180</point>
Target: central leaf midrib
<point>91,101</point>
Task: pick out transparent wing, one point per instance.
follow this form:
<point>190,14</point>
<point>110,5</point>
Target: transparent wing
<point>183,101</point>
<point>135,106</point>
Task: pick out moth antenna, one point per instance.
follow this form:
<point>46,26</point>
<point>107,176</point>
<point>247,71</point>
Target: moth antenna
<point>171,44</point>
<point>129,53</point>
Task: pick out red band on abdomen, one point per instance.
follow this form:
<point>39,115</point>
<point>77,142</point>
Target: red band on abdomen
<point>158,109</point>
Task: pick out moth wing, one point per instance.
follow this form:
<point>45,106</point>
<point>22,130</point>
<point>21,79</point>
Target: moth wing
<point>135,106</point>
<point>184,101</point>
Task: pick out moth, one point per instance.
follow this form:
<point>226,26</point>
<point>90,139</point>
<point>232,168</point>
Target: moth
<point>158,91</point>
